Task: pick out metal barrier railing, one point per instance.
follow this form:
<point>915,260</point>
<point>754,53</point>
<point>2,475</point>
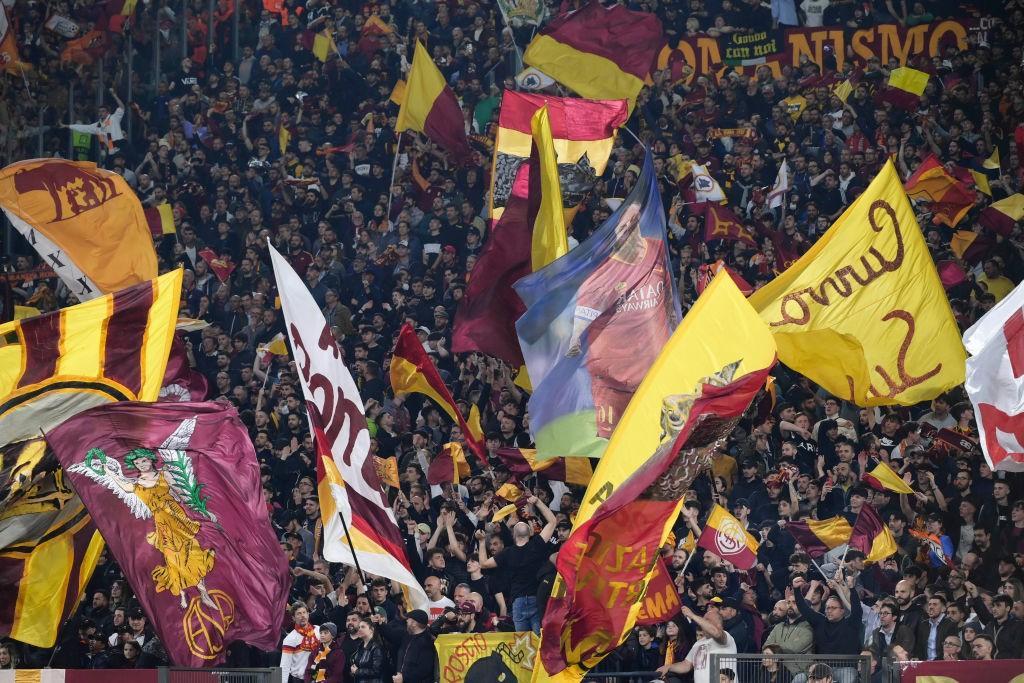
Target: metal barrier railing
<point>183,675</point>
<point>762,668</point>
<point>609,676</point>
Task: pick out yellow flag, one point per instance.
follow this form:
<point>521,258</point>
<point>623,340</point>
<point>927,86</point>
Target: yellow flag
<point>981,182</point>
<point>887,478</point>
<point>992,163</point>
<point>843,90</point>
<point>911,80</point>
<point>85,222</point>
<point>1012,206</point>
<point>863,312</point>
<point>323,45</point>
<point>549,239</point>
<point>398,92</point>
<point>721,328</point>
<point>424,85</point>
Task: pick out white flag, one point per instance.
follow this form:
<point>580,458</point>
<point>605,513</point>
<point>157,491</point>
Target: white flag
<point>778,194</point>
<point>347,480</point>
<point>705,187</point>
<point>533,79</point>
<point>995,381</point>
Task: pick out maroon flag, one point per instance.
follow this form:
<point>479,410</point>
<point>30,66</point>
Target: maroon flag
<point>181,382</point>
<point>175,490</point>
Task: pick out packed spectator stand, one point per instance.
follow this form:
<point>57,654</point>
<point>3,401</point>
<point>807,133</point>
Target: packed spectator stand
<point>231,119</point>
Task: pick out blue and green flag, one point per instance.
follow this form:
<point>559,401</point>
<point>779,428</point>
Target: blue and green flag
<point>596,319</point>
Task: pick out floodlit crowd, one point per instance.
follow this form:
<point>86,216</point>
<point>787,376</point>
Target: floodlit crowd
<point>279,144</point>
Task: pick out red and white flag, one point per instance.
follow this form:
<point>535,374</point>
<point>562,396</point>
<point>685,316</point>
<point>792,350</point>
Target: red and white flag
<point>348,485</point>
<point>777,196</point>
<point>995,381</point>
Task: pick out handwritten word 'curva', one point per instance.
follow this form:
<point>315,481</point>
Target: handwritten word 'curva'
<point>840,281</point>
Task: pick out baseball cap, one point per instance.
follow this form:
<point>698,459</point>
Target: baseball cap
<point>419,616</point>
<point>467,607</point>
<point>423,528</point>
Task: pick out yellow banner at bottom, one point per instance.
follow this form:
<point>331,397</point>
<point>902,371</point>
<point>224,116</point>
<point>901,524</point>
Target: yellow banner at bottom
<point>486,657</point>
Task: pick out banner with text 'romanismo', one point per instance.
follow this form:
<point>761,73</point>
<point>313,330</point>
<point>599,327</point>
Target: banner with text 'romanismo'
<point>828,47</point>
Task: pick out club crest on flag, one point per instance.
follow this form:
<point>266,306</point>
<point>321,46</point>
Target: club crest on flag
<point>166,490</point>
<point>730,538</point>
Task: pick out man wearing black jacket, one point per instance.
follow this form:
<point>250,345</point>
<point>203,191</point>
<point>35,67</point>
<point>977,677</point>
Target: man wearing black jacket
<point>838,630</point>
<point>416,654</point>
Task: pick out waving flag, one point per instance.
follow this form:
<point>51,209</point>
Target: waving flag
<point>724,536</point>
<point>57,365</point>
<point>582,135</point>
<point>347,480</point>
<point>1002,216</point>
<point>412,371</point>
<point>175,489</point>
<point>523,462</point>
<point>871,535</point>
<point>585,313</point>
<point>950,199</point>
<point>431,107</point>
<point>884,478</point>
<point>995,381</point>
<point>599,52</point>
<point>85,222</point>
<point>818,536</point>
<point>720,223</point>
<point>701,383</point>
<point>863,312</point>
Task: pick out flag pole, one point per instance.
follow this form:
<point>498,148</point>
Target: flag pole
<point>355,557</point>
<point>394,170</point>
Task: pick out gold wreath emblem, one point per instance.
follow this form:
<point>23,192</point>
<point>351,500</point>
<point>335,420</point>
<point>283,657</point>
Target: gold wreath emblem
<point>204,627</point>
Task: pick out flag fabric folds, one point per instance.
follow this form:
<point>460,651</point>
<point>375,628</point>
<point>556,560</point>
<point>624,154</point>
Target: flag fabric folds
<point>584,312</point>
<point>10,61</point>
<point>705,187</point>
<point>323,45</point>
<point>908,79</point>
<point>950,199</point>
<point>160,219</point>
<point>970,246</point>
<point>777,195</point>
<point>720,223</point>
<point>601,53</point>
<point>86,223</point>
<point>818,536</point>
<point>175,490</point>
<point>884,478</point>
<point>724,536</point>
<point>707,374</point>
<point>449,466</point>
<point>583,134</point>
<point>1001,216</point>
<point>523,462</point>
<point>108,349</point>
<point>431,107</point>
<point>863,312</point>
<point>871,535</point>
<point>49,546</point>
<point>550,240</point>
<point>412,371</point>
<point>992,163</point>
<point>995,381</point>
<point>347,481</point>
<point>114,348</point>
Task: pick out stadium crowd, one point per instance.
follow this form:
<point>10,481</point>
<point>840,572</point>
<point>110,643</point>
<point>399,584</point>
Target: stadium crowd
<point>279,144</point>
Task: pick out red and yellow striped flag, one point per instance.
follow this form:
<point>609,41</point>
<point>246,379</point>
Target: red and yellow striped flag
<point>54,366</point>
<point>412,371</point>
<point>431,107</point>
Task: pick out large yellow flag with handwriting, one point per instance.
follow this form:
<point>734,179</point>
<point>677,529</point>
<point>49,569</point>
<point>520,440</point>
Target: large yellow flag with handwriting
<point>863,312</point>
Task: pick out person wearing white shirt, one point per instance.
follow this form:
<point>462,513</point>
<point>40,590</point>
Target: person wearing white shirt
<point>711,639</point>
<point>107,128</point>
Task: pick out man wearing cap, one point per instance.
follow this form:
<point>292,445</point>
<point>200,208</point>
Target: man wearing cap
<point>328,663</point>
<point>736,623</point>
<point>416,654</point>
<point>711,639</point>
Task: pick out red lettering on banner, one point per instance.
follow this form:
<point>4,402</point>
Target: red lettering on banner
<point>1013,332</point>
